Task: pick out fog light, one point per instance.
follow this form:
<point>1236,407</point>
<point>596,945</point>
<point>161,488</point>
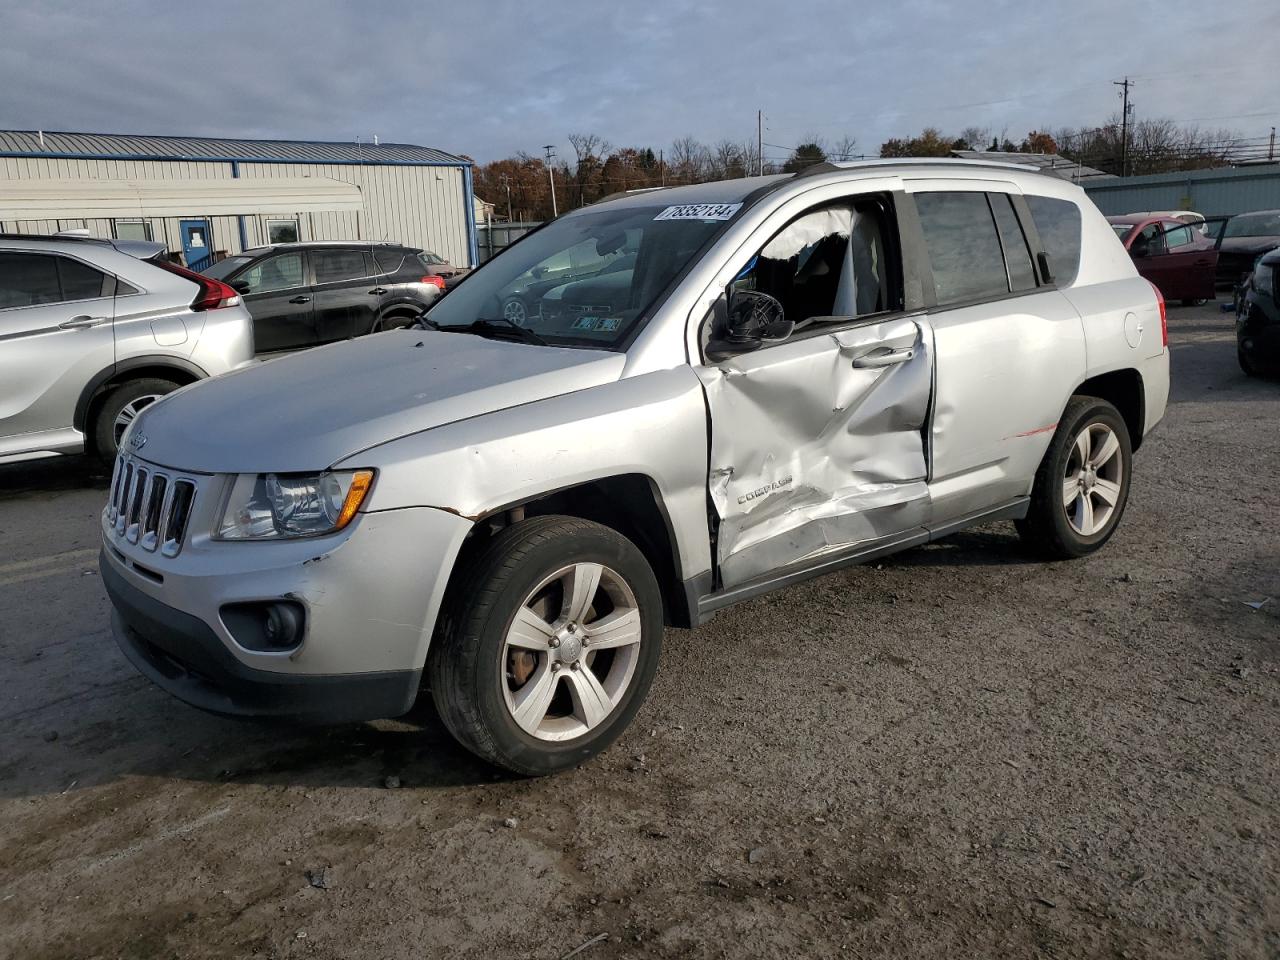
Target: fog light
<point>267,625</point>
<point>283,627</point>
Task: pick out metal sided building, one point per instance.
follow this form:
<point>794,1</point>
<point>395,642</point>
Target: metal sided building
<point>203,196</point>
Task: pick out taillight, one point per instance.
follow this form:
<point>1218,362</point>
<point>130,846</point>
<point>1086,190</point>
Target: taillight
<point>435,281</point>
<point>213,295</point>
<point>1164,316</point>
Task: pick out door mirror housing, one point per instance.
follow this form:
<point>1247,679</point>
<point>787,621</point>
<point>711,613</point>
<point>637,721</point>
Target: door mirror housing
<point>240,286</point>
<point>753,319</point>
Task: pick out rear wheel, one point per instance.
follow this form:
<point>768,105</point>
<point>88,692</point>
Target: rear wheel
<point>396,320</point>
<point>120,408</point>
<point>1082,485</point>
<point>549,645</point>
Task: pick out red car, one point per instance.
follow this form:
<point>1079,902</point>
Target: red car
<point>1177,257</point>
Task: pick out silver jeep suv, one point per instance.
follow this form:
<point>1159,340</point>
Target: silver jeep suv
<point>91,333</point>
<point>796,373</point>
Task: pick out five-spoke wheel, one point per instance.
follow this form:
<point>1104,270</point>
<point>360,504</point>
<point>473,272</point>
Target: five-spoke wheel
<point>571,651</point>
<point>1083,482</point>
<point>551,641</point>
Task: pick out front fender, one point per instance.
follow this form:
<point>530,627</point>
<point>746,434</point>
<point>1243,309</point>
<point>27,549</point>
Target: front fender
<point>654,425</point>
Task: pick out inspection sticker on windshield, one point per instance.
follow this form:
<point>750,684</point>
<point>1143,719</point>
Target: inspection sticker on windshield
<point>700,211</point>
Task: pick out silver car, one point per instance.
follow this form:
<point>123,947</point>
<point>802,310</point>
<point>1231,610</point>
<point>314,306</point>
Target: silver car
<point>91,333</point>
<point>799,373</point>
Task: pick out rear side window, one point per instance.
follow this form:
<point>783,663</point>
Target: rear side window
<point>388,260</point>
<point>1177,237</point>
<point>1058,223</point>
<point>964,249</point>
<point>82,282</point>
<point>32,279</point>
<point>332,266</point>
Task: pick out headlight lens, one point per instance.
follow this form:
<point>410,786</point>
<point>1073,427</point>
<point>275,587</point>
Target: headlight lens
<point>1264,279</point>
<point>272,506</point>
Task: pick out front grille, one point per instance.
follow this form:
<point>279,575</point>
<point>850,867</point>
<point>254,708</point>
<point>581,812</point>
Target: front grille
<point>150,506</point>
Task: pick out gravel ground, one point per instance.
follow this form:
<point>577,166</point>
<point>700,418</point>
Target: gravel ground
<point>956,752</point>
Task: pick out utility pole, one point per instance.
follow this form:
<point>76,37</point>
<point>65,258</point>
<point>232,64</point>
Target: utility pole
<point>760,141</point>
<point>506,182</point>
<point>662,163</point>
<point>551,176</point>
<point>1125,84</point>
<point>1271,150</point>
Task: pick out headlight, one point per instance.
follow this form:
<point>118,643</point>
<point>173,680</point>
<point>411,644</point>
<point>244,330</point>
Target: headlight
<point>1264,279</point>
<point>266,506</point>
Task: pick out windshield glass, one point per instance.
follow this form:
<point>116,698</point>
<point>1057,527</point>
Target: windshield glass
<point>588,278</point>
<point>225,268</point>
<point>1122,229</point>
<point>1254,225</point>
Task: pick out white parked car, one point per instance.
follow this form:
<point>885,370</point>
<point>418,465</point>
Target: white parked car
<point>94,331</point>
<point>798,373</point>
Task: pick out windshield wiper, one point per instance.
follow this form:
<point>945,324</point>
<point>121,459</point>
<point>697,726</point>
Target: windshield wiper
<point>496,324</point>
<point>424,323</point>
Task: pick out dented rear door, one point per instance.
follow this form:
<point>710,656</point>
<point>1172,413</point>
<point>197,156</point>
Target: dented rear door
<point>817,443</point>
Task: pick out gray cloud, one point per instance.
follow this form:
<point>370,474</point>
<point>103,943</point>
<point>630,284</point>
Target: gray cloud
<point>489,79</point>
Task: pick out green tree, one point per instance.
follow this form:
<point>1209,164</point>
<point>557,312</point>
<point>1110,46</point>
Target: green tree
<point>804,156</point>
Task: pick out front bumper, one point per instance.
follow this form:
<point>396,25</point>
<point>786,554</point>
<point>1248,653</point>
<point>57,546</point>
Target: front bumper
<point>1258,334</point>
<point>368,598</point>
<point>182,655</point>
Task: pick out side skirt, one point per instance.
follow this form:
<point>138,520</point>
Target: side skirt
<point>704,605</point>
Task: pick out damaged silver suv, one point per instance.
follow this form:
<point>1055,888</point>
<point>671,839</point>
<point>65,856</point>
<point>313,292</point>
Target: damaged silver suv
<point>735,387</point>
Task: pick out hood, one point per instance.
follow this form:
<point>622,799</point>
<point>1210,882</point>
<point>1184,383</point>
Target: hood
<point>309,410</point>
<point>1249,244</point>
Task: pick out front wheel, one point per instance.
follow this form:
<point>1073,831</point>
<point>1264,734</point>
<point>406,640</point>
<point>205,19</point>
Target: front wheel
<point>121,406</point>
<point>1082,485</point>
<point>549,645</point>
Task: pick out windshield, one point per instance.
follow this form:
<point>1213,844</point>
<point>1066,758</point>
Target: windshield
<point>225,268</point>
<point>1122,229</point>
<point>586,279</point>
<point>1254,225</point>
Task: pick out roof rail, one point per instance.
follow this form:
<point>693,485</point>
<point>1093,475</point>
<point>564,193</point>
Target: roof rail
<point>832,166</point>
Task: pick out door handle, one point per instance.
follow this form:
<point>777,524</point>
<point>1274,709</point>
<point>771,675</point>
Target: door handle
<point>82,322</point>
<point>884,357</point>
<point>378,291</point>
<point>300,300</point>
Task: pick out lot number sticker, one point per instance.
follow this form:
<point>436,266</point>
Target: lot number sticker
<point>700,211</point>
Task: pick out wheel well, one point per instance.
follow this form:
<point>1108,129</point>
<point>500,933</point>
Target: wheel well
<point>91,402</point>
<point>1123,390</point>
<point>629,504</point>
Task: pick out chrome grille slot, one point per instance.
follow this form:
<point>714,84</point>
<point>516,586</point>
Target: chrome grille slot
<point>137,496</point>
<point>179,512</point>
<point>149,506</point>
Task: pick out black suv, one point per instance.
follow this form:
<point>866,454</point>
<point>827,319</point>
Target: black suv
<point>302,294</point>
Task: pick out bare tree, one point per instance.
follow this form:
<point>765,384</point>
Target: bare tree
<point>846,148</point>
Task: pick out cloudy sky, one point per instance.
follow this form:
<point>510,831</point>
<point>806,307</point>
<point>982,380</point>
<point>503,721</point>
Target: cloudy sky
<point>490,78</point>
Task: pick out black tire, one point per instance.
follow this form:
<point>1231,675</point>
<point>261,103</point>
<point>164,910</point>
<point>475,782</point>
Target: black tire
<point>395,320</point>
<point>104,422</point>
<point>466,671</point>
<point>1047,529</point>
<point>1246,364</point>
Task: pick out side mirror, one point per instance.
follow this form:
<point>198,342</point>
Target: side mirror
<point>753,320</point>
<point>240,286</point>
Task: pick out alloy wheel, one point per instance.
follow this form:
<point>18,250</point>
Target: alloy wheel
<point>130,412</point>
<point>571,651</point>
<point>1092,485</point>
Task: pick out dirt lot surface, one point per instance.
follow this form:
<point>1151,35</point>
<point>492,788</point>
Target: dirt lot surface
<point>956,752</point>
